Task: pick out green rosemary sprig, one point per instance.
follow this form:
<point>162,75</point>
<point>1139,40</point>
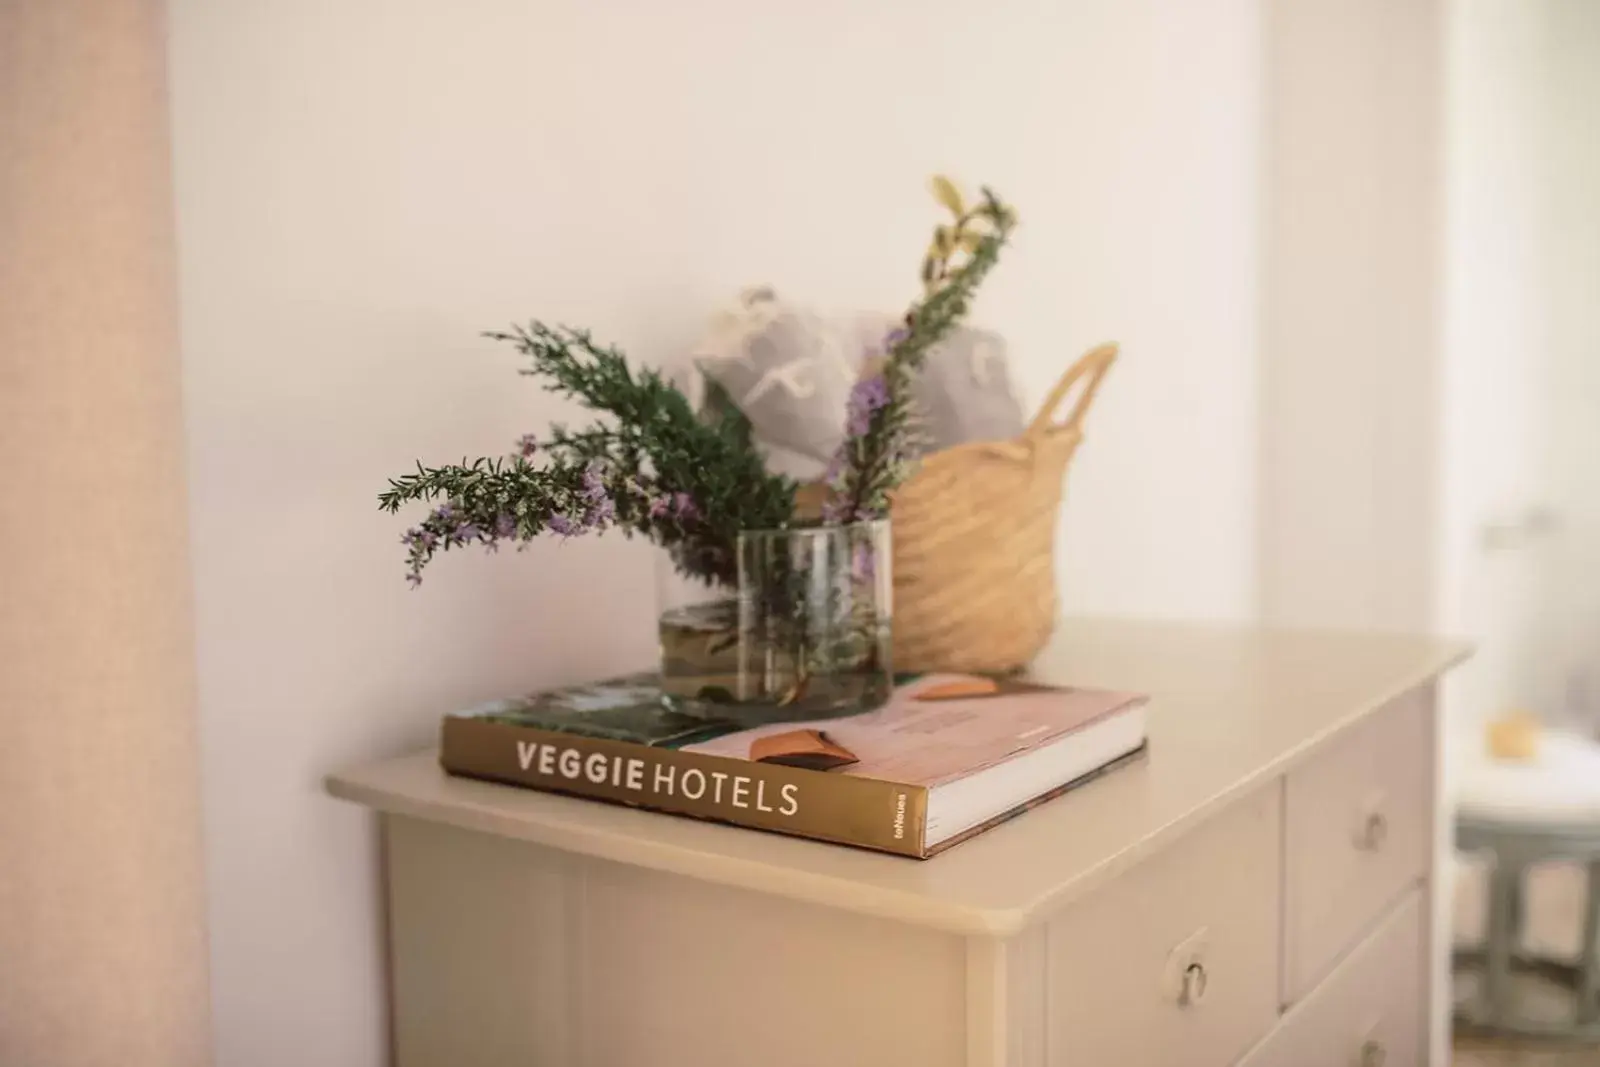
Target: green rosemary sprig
<point>876,455</point>
<point>692,482</point>
<point>654,468</point>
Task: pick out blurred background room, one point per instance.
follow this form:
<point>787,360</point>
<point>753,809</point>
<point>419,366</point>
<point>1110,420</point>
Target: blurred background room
<point>1520,506</point>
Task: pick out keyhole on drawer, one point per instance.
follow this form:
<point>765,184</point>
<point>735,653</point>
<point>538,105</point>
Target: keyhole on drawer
<point>1194,984</point>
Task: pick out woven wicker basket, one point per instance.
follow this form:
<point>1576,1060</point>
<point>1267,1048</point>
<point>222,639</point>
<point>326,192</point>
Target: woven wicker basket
<point>974,540</point>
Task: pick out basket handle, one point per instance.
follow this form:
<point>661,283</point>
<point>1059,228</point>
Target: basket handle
<point>1094,364</point>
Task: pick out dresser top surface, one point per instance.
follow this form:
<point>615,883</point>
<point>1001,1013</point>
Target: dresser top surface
<point>1230,708</point>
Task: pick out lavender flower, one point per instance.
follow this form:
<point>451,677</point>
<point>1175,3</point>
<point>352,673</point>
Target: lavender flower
<point>594,485</point>
<point>678,506</point>
<point>414,579</point>
<point>868,396</point>
<point>836,511</point>
<point>572,483</point>
<point>835,466</point>
<point>864,562</point>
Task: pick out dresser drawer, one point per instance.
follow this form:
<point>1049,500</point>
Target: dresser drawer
<point>1369,1011</point>
<point>1358,820</point>
<point>1117,959</point>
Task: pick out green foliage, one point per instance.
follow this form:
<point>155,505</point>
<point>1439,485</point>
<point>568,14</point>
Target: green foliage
<point>653,467</point>
<point>691,482</point>
<point>876,458</point>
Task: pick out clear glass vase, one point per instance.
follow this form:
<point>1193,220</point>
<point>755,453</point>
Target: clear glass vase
<point>805,636</point>
<point>699,638</point>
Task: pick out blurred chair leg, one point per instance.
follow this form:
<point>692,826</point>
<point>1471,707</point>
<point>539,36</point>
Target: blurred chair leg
<point>1589,953</point>
<point>1500,940</point>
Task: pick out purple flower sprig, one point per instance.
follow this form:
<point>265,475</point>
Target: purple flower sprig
<point>874,458</point>
<point>490,502</point>
<point>678,508</point>
<point>868,396</point>
<point>651,464</point>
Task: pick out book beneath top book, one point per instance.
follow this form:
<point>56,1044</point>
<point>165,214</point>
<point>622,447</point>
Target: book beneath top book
<point>947,757</point>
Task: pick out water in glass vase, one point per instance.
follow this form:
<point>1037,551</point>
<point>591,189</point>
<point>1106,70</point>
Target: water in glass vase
<point>807,636</point>
<point>700,654</point>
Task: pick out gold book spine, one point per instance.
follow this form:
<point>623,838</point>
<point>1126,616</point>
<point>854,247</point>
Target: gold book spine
<point>847,810</point>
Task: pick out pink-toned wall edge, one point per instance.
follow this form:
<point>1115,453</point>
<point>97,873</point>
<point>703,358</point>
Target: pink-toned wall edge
<point>101,897</point>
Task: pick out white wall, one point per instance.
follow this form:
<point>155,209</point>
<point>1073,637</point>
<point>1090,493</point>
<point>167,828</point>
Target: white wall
<point>1351,296</point>
<point>363,186</point>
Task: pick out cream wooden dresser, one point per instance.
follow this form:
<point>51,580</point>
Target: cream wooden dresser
<point>1257,891</point>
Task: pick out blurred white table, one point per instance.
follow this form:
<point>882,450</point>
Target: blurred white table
<point>1525,814</point>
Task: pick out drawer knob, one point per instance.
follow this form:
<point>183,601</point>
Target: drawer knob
<point>1372,826</point>
<point>1373,1054</point>
<point>1184,979</point>
<point>1374,831</point>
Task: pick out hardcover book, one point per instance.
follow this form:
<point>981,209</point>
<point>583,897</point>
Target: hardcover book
<point>947,757</point>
